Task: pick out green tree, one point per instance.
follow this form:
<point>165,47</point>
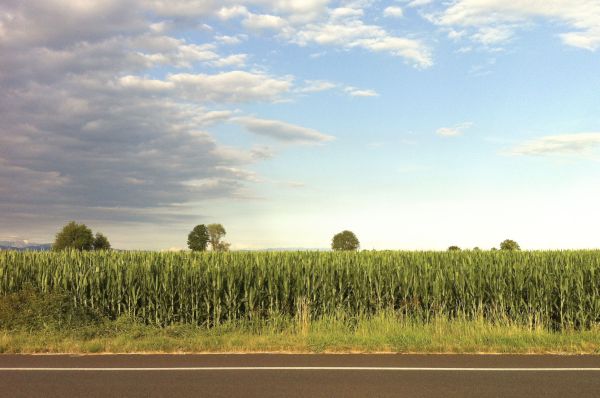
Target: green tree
<point>101,242</point>
<point>74,236</point>
<point>223,246</point>
<point>198,238</point>
<point>509,244</point>
<point>345,240</point>
<point>216,232</point>
<point>454,249</point>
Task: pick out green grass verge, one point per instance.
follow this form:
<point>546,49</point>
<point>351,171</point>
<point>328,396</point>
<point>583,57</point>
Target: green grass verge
<point>382,333</point>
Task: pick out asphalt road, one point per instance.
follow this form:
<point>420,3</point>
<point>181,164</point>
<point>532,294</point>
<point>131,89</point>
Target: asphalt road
<point>274,375</point>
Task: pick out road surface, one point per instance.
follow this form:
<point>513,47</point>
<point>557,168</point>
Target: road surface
<point>281,375</point>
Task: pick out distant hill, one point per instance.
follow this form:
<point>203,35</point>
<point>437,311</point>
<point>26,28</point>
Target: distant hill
<point>24,245</point>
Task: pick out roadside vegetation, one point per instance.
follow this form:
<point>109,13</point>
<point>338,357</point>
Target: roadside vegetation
<point>454,301</point>
<point>556,290</point>
<point>50,323</point>
<point>84,297</point>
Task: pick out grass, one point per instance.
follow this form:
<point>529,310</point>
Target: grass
<point>381,333</point>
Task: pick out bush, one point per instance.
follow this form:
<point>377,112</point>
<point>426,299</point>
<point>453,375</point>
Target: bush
<point>30,310</point>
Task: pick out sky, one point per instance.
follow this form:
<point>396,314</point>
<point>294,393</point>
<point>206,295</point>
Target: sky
<point>417,124</point>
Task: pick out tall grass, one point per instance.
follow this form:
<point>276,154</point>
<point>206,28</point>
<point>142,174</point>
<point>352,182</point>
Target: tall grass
<point>553,290</point>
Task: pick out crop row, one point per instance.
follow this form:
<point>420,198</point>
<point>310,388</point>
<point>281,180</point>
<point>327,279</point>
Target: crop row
<point>554,289</point>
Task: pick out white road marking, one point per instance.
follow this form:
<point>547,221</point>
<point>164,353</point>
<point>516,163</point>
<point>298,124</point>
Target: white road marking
<point>336,368</point>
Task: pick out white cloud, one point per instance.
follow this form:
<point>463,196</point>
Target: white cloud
<point>187,54</point>
<point>492,35</point>
<point>298,21</point>
<point>231,40</point>
<point>354,33</point>
<point>336,33</point>
<point>232,87</point>
<point>356,92</point>
<point>307,22</point>
<point>586,40</point>
<point>393,11</point>
<point>295,11</point>
<point>232,12</point>
<point>224,87</point>
<point>565,144</point>
<point>499,18</point>
<point>264,21</point>
<point>456,34</point>
<point>314,86</point>
<point>419,3</point>
<point>345,12</point>
<point>454,130</point>
<point>145,84</point>
<point>236,60</point>
<point>410,49</point>
<point>282,131</point>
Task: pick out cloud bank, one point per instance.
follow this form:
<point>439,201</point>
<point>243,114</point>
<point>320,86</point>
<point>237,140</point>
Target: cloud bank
<point>495,21</point>
<point>563,144</point>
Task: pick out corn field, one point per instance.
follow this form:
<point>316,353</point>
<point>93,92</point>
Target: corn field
<point>554,289</point>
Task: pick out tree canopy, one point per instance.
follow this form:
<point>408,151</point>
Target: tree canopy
<point>345,240</point>
<point>74,236</point>
<point>509,244</point>
<point>216,232</point>
<point>198,238</point>
<point>101,242</point>
<point>454,249</point>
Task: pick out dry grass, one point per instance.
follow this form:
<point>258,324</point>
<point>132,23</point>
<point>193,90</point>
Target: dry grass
<point>382,333</point>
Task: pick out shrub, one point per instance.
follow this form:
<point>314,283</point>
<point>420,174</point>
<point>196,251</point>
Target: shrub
<point>30,310</point>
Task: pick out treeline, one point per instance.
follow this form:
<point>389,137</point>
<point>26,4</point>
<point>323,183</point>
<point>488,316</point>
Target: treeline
<point>201,237</point>
<point>76,236</point>
<point>507,244</point>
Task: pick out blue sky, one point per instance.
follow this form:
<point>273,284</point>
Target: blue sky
<point>416,124</point>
